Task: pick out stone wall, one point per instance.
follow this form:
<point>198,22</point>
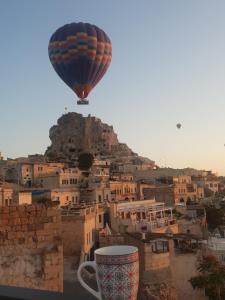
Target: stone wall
<point>155,261</point>
<point>111,240</point>
<point>31,253</point>
<point>163,194</point>
<point>185,226</point>
<point>72,234</point>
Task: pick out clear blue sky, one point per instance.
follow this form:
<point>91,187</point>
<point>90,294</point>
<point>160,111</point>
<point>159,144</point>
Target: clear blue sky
<point>168,66</point>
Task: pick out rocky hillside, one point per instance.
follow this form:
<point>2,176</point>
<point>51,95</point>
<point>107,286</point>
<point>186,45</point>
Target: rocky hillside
<point>75,133</point>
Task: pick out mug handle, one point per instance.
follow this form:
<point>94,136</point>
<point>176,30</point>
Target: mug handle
<point>89,289</point>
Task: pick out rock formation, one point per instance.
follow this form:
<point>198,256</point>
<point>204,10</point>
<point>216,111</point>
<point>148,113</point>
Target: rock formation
<point>75,134</point>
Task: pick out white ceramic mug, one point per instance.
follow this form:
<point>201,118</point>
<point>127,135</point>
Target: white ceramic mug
<point>117,273</point>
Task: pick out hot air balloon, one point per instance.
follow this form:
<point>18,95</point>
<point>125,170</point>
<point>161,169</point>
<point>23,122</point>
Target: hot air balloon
<point>178,125</point>
<point>80,54</point>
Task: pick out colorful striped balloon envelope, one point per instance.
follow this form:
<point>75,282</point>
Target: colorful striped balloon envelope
<point>80,54</point>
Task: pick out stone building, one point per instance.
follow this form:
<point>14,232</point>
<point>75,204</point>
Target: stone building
<point>67,197</point>
<point>24,198</point>
<point>186,190</point>
<point>8,194</point>
<point>62,197</point>
<point>123,190</point>
<point>79,229</point>
<point>147,215</point>
<point>207,180</point>
<point>64,178</point>
<point>134,166</point>
<point>160,192</point>
<point>100,171</point>
<point>40,169</point>
<point>28,173</point>
<point>172,190</point>
<point>95,193</point>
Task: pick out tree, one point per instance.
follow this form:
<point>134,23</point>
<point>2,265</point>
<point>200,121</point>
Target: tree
<point>214,217</point>
<point>46,202</point>
<point>208,192</point>
<point>211,278</point>
<point>85,161</point>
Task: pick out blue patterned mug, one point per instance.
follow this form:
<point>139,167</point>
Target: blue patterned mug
<point>117,273</point>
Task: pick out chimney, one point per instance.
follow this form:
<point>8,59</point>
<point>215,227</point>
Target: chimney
<point>143,236</point>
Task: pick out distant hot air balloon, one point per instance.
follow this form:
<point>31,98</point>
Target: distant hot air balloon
<point>80,54</point>
<point>178,125</point>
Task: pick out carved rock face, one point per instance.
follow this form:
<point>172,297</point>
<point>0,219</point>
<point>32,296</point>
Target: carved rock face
<point>75,134</point>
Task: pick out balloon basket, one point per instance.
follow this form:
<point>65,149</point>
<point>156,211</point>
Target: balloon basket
<point>82,102</point>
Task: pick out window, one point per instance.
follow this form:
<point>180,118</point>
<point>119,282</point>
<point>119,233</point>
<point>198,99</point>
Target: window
<point>160,247</point>
<point>67,198</point>
<point>99,198</point>
<point>87,238</point>
<point>74,181</point>
<point>100,218</point>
